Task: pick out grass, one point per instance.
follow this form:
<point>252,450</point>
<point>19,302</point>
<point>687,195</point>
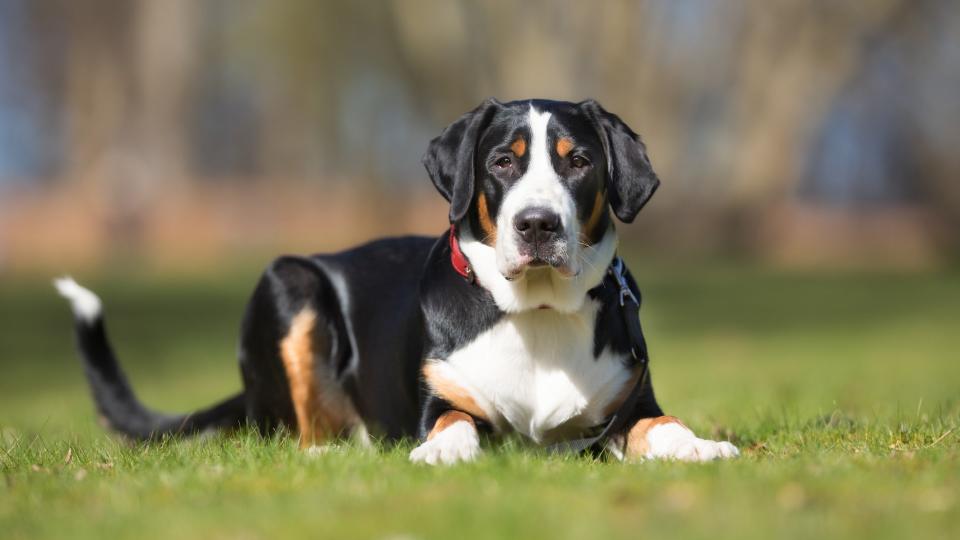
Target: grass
<point>841,390</point>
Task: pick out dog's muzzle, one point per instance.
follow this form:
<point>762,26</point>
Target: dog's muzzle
<point>540,237</point>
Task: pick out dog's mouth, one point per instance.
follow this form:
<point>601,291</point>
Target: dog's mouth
<point>540,264</point>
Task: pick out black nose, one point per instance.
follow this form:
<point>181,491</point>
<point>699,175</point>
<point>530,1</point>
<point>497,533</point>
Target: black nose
<point>536,224</point>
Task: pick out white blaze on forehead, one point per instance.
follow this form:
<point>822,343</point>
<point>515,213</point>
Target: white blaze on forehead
<point>539,153</point>
<point>539,187</point>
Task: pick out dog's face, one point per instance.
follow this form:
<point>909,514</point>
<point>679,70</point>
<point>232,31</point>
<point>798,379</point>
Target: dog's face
<point>535,180</point>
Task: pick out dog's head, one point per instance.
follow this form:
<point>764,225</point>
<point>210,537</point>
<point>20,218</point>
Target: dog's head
<point>535,180</point>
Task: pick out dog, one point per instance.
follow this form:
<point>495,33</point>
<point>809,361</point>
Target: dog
<point>509,322</point>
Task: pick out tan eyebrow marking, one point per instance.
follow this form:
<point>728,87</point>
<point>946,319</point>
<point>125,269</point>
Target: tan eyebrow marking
<point>519,147</point>
<point>564,146</point>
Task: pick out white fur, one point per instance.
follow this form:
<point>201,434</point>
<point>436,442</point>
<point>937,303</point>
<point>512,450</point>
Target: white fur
<point>674,441</point>
<point>531,288</point>
<point>86,305</point>
<point>540,286</point>
<point>458,443</point>
<point>535,373</point>
<point>539,186</point>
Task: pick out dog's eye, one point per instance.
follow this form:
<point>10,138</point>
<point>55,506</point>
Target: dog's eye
<point>578,162</point>
<point>504,162</point>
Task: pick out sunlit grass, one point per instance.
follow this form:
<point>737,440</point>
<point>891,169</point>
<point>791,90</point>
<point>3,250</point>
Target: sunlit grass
<point>841,391</point>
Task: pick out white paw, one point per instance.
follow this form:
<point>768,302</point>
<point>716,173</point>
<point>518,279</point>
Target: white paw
<point>674,441</point>
<point>458,443</point>
<point>702,450</point>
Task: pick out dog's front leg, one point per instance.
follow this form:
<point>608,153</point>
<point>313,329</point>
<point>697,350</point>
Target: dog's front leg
<point>452,439</point>
<point>665,437</point>
<point>448,423</point>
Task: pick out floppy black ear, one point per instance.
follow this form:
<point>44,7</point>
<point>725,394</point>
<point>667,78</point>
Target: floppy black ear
<point>450,157</point>
<point>630,176</point>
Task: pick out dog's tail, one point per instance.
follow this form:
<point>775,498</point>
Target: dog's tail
<point>114,397</point>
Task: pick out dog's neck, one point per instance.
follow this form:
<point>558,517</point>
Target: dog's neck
<point>539,287</point>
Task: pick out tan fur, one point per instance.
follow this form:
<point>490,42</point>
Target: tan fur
<point>448,419</point>
<point>590,234</point>
<point>519,147</point>
<point>321,409</point>
<point>564,145</point>
<point>621,396</point>
<point>454,394</point>
<point>486,222</point>
<point>637,444</point>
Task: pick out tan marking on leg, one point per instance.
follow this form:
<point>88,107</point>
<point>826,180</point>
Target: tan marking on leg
<point>589,233</point>
<point>519,147</point>
<point>455,395</point>
<point>319,416</point>
<point>296,350</point>
<point>637,444</point>
<point>564,146</point>
<point>486,222</point>
<point>448,419</point>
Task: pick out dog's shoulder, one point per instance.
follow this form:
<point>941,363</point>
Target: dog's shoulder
<point>455,309</point>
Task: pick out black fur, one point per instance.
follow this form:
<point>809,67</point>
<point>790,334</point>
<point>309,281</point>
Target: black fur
<point>450,157</point>
<point>373,350</point>
<point>630,174</point>
<point>118,405</point>
<point>454,311</point>
<point>385,307</point>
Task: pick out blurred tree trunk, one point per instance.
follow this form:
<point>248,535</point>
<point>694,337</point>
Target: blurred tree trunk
<point>127,71</point>
<point>165,53</point>
<point>790,71</point>
<point>98,87</point>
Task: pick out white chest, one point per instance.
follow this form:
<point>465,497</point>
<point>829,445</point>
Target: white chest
<point>535,372</point>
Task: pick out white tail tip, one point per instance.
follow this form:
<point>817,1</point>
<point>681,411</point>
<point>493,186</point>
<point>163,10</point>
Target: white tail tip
<point>86,305</point>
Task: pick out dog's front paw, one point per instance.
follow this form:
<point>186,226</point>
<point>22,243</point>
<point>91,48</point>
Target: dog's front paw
<point>458,443</point>
<point>701,450</point>
<point>675,441</point>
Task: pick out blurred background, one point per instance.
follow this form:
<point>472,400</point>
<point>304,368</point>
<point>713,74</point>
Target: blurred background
<point>802,249</point>
<point>183,134</point>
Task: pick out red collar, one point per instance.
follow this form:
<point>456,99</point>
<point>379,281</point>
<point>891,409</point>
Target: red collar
<point>458,259</point>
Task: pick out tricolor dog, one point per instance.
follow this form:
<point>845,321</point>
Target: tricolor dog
<point>512,321</point>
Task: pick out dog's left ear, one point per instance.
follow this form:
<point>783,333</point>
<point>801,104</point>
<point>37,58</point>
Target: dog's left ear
<point>450,157</point>
<point>630,176</point>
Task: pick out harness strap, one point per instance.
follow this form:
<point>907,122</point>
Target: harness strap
<point>630,311</point>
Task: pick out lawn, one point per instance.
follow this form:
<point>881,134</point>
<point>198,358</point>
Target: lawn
<point>842,390</point>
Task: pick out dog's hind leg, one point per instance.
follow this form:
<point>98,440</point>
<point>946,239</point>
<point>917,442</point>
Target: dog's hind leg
<point>322,409</point>
<point>293,351</point>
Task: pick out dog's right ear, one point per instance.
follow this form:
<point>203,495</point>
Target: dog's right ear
<point>450,157</point>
